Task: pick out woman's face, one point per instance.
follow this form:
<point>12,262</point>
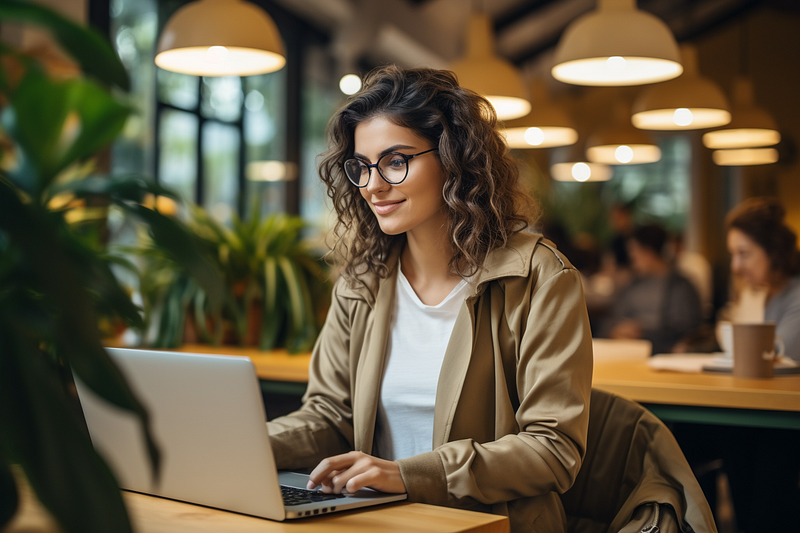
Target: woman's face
<point>749,260</point>
<point>416,204</point>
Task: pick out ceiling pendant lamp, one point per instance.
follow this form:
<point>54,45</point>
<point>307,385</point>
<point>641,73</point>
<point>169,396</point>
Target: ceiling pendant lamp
<point>750,127</point>
<point>546,126</point>
<point>220,38</point>
<point>489,75</point>
<point>690,102</point>
<point>568,163</point>
<point>745,157</point>
<point>619,143</point>
<point>581,171</point>
<point>616,44</point>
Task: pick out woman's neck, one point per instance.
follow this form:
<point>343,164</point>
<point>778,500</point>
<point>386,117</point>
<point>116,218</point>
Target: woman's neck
<point>425,262</point>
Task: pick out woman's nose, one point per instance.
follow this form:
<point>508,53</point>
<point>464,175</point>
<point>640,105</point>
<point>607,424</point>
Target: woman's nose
<point>376,182</point>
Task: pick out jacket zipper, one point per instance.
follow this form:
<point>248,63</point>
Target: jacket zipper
<point>653,526</point>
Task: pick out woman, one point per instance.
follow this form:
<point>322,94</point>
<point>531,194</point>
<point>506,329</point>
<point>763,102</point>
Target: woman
<point>455,361</point>
<point>763,465</point>
<point>764,256</point>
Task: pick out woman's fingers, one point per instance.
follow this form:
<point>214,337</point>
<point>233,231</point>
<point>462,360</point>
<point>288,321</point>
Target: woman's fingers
<point>355,470</point>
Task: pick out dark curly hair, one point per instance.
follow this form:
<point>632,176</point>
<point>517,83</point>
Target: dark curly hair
<point>761,219</point>
<point>485,203</point>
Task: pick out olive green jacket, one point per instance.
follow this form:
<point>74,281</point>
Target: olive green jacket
<point>511,412</point>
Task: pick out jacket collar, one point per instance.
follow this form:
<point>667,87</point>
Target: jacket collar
<point>514,259</point>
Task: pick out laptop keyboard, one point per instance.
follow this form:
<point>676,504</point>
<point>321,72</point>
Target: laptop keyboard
<point>295,496</point>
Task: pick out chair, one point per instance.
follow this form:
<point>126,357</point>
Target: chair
<point>633,475</point>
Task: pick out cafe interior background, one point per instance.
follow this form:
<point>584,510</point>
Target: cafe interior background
<point>237,146</point>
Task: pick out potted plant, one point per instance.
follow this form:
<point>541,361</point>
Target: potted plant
<point>55,279</point>
<point>276,285</point>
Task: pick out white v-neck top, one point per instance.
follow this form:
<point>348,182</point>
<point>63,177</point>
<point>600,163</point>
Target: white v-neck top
<point>414,354</point>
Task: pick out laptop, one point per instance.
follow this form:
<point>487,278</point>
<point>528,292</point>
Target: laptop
<point>208,419</point>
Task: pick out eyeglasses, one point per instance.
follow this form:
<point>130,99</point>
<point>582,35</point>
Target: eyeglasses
<point>393,168</point>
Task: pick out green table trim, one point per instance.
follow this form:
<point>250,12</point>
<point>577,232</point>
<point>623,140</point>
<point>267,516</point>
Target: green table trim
<point>288,388</point>
<point>725,416</point>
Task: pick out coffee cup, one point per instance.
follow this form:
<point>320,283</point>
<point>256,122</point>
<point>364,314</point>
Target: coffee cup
<point>755,348</point>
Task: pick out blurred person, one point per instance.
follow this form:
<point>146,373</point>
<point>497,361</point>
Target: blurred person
<point>659,305</point>
<point>763,465</point>
<point>696,268</point>
<point>765,259</point>
<point>455,362</point>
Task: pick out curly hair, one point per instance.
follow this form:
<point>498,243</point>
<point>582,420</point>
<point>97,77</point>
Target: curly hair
<point>761,219</point>
<point>485,203</point>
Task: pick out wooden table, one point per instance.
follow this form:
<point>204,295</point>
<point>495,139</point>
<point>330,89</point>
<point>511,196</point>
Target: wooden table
<point>705,397</point>
<point>620,367</point>
<point>150,514</point>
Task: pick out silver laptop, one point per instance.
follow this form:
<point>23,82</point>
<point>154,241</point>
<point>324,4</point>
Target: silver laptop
<point>208,420</point>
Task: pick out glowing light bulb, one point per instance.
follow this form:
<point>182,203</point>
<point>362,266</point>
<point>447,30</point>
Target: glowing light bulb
<point>616,63</point>
<point>216,54</point>
<point>623,154</point>
<point>350,84</point>
<point>581,171</point>
<point>534,136</point>
<point>682,116</point>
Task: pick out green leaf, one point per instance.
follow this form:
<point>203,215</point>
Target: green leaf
<point>118,189</point>
<point>77,336</point>
<point>45,438</point>
<point>38,119</point>
<point>88,47</point>
<point>9,499</point>
<point>295,292</point>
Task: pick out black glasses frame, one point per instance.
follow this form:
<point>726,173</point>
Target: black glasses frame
<point>406,158</point>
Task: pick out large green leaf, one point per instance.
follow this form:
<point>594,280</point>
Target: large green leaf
<point>119,189</point>
<point>44,436</point>
<point>38,119</point>
<point>88,47</point>
<point>77,336</point>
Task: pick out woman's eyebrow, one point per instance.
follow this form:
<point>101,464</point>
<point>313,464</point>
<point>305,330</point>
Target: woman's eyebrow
<point>391,149</point>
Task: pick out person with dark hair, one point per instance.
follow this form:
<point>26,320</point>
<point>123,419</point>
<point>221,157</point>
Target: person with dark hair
<point>763,465</point>
<point>659,305</point>
<point>455,361</point>
<point>764,256</point>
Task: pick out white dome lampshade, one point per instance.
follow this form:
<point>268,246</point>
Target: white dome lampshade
<point>690,102</point>
<point>546,126</point>
<point>750,127</point>
<point>616,44</point>
<point>581,171</point>
<point>568,164</point>
<point>617,142</point>
<point>745,157</point>
<point>489,75</point>
<point>220,38</point>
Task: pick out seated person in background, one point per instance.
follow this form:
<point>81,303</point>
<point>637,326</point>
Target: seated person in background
<point>455,362</point>
<point>696,268</point>
<point>764,256</point>
<point>659,305</point>
<point>762,464</point>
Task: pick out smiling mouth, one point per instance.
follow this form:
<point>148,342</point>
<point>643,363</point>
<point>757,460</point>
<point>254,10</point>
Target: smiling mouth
<point>386,208</point>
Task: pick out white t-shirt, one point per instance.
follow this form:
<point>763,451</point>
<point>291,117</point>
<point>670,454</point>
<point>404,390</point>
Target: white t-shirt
<point>414,353</point>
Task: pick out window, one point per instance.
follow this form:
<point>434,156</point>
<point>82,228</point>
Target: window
<point>199,135</point>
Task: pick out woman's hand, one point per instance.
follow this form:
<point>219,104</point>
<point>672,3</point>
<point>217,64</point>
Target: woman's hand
<point>352,471</point>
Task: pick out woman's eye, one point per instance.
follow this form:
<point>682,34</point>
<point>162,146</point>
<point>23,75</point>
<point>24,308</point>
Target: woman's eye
<point>396,163</point>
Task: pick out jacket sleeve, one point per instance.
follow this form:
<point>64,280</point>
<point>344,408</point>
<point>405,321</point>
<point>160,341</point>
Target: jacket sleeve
<point>323,426</point>
<point>553,380</point>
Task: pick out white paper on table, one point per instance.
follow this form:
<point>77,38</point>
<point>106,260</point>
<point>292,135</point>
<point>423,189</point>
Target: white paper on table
<point>695,362</point>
